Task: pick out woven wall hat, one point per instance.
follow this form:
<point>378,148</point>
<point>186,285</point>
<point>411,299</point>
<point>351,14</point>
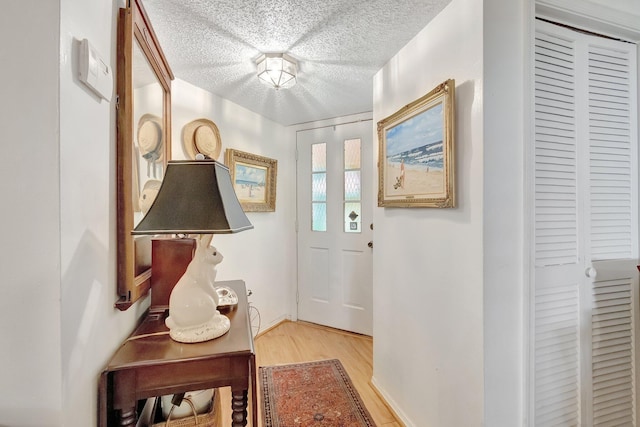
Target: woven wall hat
<point>148,195</point>
<point>150,138</point>
<point>201,136</point>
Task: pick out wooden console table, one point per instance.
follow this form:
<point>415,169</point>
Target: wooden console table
<point>149,363</point>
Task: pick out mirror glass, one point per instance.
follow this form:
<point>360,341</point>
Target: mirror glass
<point>148,143</point>
<point>144,145</point>
<point>148,158</point>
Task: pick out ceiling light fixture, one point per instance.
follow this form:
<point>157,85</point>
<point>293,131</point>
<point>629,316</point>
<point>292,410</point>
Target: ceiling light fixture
<point>277,70</point>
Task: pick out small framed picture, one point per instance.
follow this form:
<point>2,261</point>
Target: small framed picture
<point>416,152</point>
<point>254,179</point>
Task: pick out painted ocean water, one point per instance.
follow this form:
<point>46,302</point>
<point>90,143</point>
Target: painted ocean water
<point>248,183</point>
<point>429,156</point>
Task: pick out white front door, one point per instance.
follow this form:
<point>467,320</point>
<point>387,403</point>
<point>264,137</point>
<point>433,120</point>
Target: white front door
<point>334,197</point>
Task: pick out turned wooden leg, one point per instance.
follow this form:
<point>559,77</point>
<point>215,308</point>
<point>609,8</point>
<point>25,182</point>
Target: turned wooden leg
<point>127,417</point>
<point>239,408</point>
<point>254,392</point>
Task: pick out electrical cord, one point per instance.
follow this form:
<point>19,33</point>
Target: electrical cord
<point>254,316</point>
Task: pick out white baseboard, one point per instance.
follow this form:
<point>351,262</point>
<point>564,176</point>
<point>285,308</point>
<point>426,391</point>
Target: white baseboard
<point>393,406</point>
<point>277,321</point>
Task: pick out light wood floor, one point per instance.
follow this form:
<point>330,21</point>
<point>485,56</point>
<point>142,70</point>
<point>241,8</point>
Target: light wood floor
<point>294,342</point>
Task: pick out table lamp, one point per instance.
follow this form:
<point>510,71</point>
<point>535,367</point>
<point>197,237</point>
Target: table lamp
<point>196,197</point>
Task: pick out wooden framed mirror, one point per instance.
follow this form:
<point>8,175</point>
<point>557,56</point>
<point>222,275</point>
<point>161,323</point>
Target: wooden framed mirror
<point>143,143</point>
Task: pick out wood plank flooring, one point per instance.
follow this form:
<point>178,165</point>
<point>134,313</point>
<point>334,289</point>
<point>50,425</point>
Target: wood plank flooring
<point>295,342</point>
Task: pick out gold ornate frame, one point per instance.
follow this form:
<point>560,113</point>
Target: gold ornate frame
<point>416,162</point>
<point>258,195</point>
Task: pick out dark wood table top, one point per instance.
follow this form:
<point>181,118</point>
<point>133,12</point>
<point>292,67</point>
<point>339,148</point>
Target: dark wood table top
<point>150,343</point>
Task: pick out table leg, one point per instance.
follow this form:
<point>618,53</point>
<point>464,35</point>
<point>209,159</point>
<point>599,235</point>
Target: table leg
<point>254,392</point>
<point>239,408</point>
<point>124,397</point>
<point>127,417</point>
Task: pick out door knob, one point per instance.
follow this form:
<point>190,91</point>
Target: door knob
<point>591,273</point>
<point>370,244</point>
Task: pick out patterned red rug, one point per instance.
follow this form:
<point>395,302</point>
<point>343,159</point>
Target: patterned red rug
<point>318,394</point>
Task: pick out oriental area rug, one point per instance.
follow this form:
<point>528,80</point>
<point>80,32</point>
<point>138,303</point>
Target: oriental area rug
<point>313,394</point>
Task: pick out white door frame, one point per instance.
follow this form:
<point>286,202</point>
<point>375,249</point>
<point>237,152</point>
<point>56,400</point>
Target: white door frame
<point>598,19</point>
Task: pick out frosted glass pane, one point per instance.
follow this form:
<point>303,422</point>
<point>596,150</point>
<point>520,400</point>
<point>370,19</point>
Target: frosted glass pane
<point>352,154</point>
<point>352,185</point>
<point>319,217</point>
<point>352,217</point>
<point>319,157</point>
<point>319,187</point>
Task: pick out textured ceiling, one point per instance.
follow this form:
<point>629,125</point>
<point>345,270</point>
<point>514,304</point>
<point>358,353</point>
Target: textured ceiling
<point>339,45</point>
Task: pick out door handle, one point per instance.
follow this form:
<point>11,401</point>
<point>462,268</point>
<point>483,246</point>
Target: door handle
<point>370,244</point>
<point>591,273</point>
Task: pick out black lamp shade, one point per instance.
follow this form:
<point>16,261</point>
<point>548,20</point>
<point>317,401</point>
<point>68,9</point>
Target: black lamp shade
<point>196,197</point>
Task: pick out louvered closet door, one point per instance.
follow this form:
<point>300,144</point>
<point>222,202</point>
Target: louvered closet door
<point>585,231</point>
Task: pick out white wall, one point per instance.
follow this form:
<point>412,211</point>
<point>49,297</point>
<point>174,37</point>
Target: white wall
<point>30,379</point>
<point>58,273</point>
<point>428,263</point>
<point>264,257</point>
<point>91,329</point>
<point>505,66</point>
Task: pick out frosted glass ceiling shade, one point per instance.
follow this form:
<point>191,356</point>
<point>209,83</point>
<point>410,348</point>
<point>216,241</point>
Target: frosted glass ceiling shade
<point>277,70</point>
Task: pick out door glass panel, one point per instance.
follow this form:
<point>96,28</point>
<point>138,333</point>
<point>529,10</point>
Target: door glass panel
<point>319,216</point>
<point>319,157</point>
<point>352,187</point>
<point>319,187</point>
<point>352,216</point>
<point>352,154</point>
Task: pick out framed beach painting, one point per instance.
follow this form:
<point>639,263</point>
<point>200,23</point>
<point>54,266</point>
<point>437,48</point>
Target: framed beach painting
<point>416,152</point>
<point>254,179</point>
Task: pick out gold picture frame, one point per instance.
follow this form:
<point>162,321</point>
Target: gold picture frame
<point>416,166</point>
<point>254,179</point>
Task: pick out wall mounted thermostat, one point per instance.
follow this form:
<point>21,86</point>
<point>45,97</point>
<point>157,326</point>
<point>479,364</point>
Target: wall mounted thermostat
<point>94,72</point>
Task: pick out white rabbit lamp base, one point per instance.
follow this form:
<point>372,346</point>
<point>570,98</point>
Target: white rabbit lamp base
<point>193,315</point>
<point>216,327</point>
